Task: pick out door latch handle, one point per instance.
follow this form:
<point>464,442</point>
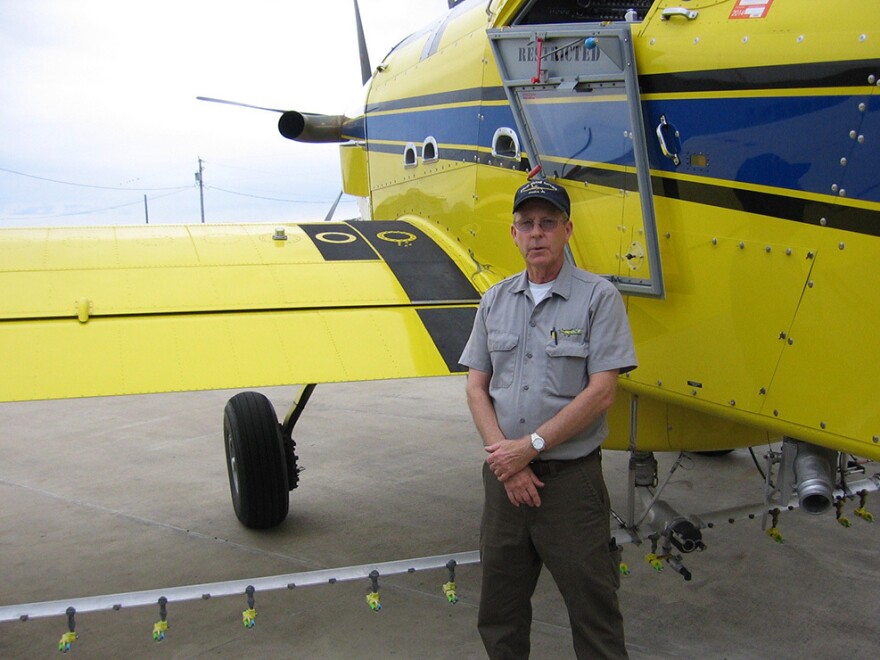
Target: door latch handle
<point>666,130</point>
<point>669,12</point>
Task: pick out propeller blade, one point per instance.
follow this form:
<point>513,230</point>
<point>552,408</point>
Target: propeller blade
<point>243,105</point>
<point>366,69</point>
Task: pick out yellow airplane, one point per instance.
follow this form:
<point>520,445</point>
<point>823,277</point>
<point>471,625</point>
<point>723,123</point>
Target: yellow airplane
<point>720,156</point>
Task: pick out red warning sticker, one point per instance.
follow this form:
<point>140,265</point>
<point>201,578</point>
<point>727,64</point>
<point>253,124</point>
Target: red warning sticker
<point>751,9</point>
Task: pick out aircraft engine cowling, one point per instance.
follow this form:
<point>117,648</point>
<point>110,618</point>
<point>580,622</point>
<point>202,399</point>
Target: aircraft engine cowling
<point>814,476</point>
<point>307,127</point>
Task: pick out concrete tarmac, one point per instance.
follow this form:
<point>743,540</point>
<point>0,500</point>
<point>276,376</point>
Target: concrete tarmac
<point>102,496</point>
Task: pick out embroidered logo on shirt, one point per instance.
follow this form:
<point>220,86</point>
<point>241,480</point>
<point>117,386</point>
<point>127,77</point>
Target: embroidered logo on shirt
<point>571,332</point>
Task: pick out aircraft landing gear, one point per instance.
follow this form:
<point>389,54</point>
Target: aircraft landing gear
<point>260,459</point>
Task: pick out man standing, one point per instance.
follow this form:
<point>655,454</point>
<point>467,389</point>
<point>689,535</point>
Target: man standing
<point>543,358</point>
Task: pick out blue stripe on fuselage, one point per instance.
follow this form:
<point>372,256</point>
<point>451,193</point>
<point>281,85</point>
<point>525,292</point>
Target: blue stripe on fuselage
<point>781,142</point>
<point>448,125</point>
<point>790,142</point>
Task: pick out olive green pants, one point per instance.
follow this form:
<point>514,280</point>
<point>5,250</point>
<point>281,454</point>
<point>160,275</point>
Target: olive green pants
<point>569,533</point>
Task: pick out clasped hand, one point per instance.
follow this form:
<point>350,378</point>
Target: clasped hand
<point>509,461</point>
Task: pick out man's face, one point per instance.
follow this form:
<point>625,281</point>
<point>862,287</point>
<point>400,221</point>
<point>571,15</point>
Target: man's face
<point>541,247</point>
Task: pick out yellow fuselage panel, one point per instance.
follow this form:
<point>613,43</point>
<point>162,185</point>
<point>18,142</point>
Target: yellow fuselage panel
<point>450,43</point>
<point>723,290</point>
<point>766,324</point>
<point>827,375</point>
<point>713,40</point>
<point>664,426</point>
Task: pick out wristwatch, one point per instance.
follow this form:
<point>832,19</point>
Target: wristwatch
<point>537,443</point>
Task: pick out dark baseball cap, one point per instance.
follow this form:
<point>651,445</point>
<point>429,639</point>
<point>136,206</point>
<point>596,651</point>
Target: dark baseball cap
<point>543,189</point>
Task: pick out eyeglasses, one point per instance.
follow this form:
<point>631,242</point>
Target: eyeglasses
<point>547,225</point>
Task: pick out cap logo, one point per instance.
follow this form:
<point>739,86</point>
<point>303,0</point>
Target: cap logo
<point>538,188</point>
<point>545,191</point>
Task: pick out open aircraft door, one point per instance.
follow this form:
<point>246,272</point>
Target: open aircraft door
<point>569,86</point>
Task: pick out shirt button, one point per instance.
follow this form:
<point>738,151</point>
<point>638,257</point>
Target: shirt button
<point>522,421</point>
<point>525,387</point>
<point>532,324</point>
<point>529,355</point>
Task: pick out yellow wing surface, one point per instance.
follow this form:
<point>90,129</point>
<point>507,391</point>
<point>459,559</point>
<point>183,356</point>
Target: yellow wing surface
<point>124,310</point>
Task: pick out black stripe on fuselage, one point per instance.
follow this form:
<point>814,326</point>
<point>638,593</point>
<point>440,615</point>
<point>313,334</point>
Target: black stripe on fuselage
<point>851,73</point>
<point>595,175</point>
<point>457,97</point>
<point>784,207</point>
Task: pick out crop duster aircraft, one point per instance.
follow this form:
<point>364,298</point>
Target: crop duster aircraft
<point>722,161</point>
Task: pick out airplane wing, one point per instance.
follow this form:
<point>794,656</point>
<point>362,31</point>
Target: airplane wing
<point>125,310</point>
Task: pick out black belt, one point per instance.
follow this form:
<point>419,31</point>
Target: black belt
<point>550,467</point>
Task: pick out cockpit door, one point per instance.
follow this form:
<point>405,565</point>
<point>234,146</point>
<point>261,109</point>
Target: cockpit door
<point>573,90</point>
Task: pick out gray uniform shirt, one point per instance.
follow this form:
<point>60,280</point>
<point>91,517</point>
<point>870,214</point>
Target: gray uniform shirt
<point>541,357</point>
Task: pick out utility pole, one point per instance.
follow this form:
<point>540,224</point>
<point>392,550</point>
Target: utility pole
<point>146,210</point>
<point>201,189</point>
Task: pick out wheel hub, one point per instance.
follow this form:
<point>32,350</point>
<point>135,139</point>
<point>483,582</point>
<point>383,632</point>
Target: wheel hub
<point>233,462</point>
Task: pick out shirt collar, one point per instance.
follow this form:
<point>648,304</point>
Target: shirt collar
<point>561,285</point>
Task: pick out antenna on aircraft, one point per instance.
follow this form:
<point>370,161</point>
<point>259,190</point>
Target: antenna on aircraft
<point>243,105</point>
<point>329,216</point>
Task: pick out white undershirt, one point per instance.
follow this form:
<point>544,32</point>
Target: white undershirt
<point>540,291</point>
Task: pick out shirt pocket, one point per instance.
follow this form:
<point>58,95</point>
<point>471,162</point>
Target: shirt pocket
<point>567,367</point>
<point>502,350</point>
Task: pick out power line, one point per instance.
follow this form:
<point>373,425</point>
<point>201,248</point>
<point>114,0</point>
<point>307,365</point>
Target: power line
<point>173,191</point>
<point>243,169</point>
<point>271,199</point>
<point>86,185</point>
<point>89,212</point>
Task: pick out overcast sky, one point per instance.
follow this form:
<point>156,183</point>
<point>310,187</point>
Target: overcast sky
<point>101,94</point>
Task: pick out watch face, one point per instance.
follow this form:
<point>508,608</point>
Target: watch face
<point>537,442</point>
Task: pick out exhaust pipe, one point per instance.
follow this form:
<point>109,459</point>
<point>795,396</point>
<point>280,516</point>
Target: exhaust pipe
<point>308,127</point>
<point>300,126</point>
<point>814,476</point>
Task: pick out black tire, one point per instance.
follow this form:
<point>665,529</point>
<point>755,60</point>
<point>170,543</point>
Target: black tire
<point>255,461</point>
